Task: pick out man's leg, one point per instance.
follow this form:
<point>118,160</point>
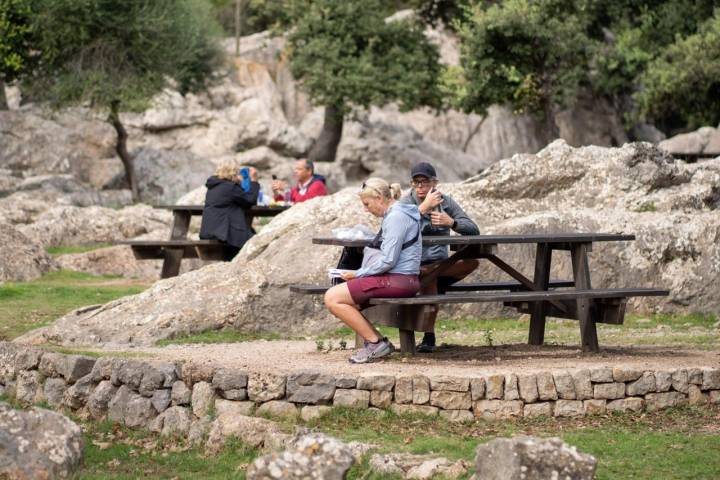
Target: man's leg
<point>455,273</point>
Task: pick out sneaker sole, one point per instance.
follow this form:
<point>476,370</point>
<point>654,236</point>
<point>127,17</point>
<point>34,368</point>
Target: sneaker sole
<point>376,355</point>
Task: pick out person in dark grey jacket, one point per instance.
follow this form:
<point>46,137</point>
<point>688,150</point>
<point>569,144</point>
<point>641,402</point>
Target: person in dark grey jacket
<point>225,204</point>
<point>440,214</point>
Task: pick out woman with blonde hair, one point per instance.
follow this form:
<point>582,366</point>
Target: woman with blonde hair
<point>393,274</point>
<point>228,197</point>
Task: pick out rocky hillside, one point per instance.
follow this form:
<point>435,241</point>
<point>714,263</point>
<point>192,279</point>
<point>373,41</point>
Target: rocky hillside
<point>669,205</point>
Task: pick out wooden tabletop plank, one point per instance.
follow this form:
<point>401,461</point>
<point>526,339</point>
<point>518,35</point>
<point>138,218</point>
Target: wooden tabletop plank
<point>257,210</point>
<point>493,239</point>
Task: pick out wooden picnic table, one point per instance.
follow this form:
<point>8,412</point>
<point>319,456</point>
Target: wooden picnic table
<point>537,296</point>
<point>179,246</point>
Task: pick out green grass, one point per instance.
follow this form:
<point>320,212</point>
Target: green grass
<point>113,452</point>
<point>28,305</point>
<point>218,336</point>
<point>66,249</point>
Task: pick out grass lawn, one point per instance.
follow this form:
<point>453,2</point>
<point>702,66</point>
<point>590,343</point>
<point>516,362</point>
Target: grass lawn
<point>28,305</point>
<point>63,250</point>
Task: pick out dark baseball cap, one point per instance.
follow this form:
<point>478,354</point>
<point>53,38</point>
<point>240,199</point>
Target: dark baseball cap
<point>423,169</point>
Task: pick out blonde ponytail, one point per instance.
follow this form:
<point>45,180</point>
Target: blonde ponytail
<point>379,188</point>
<point>395,190</point>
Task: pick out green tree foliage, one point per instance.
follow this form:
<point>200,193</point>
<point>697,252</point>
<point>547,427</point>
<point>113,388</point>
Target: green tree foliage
<point>682,85</point>
<point>16,55</point>
<point>531,55</point>
<point>116,55</point>
<point>344,54</point>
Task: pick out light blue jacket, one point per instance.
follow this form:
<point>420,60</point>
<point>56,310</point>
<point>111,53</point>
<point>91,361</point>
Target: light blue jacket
<point>400,224</point>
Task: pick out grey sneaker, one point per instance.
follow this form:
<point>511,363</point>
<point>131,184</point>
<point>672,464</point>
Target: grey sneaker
<point>373,351</point>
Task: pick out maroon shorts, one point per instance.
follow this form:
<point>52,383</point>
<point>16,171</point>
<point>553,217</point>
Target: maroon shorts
<point>390,285</point>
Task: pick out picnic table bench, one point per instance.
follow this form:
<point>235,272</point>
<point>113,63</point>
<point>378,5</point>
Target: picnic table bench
<point>179,246</point>
<point>539,297</point>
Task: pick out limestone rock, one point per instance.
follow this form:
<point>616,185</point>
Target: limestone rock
<point>174,421</point>
<point>38,443</point>
<point>582,385</point>
<point>403,390</point>
<point>180,393</point>
<point>21,259</point>
<point>310,387</point>
<point>100,398</point>
<point>569,408</point>
<point>632,404</point>
<point>450,400</point>
<point>380,398</point>
<point>263,387</point>
<point>376,382</point>
<point>203,398</point>
<point>495,387</point>
<point>642,385</point>
<point>312,456</point>
<point>416,466</point>
<point>421,390</point>
<point>492,409</point>
<point>54,390</point>
<point>277,408</point>
<point>351,398</point>
<point>450,384</point>
<point>252,431</point>
<point>538,409</point>
<point>477,388</point>
<point>659,401</point>
<point>528,388</point>
<point>28,385</point>
<point>533,459</point>
<point>595,407</point>
<point>84,226</point>
<point>77,395</point>
<point>238,408</point>
<point>609,391</point>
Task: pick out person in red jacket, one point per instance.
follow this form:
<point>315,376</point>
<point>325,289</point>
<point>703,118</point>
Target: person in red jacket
<point>309,185</point>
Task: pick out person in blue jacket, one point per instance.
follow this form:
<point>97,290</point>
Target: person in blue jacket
<point>228,197</point>
<point>394,273</point>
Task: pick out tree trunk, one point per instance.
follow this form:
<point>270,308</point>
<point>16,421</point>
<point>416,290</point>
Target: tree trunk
<point>472,133</point>
<point>3,100</point>
<point>121,149</point>
<point>325,147</point>
<point>551,128</point>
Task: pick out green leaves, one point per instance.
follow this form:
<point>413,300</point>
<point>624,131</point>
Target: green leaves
<point>99,51</point>
<point>345,54</point>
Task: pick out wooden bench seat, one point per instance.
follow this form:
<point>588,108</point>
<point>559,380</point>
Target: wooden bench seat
<point>210,250</point>
<point>312,289</point>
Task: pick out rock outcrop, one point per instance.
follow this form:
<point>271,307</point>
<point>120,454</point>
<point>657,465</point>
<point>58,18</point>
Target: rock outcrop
<point>532,459</point>
<point>312,456</point>
<point>83,226</point>
<point>38,443</point>
<point>704,142</point>
<point>20,258</point>
<point>669,205</point>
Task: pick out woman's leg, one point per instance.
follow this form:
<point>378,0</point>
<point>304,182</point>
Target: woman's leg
<point>340,303</point>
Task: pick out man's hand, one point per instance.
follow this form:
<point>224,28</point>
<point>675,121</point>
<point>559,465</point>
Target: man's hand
<point>253,174</point>
<point>347,275</point>
<point>432,200</point>
<point>278,186</point>
<point>441,219</point>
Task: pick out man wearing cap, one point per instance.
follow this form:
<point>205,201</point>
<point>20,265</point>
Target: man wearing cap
<point>440,214</point>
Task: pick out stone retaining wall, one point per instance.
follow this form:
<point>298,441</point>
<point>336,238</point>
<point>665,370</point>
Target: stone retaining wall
<point>183,398</point>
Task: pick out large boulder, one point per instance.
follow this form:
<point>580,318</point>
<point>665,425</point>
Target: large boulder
<point>163,175</point>
<point>532,459</point>
<point>20,258</point>
<point>704,141</point>
<point>38,443</point>
<point>669,205</point>
<point>82,226</point>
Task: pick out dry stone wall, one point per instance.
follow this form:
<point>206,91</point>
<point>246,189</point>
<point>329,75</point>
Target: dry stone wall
<point>197,400</point>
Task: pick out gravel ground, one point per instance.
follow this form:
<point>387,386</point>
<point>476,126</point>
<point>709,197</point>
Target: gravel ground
<point>290,356</point>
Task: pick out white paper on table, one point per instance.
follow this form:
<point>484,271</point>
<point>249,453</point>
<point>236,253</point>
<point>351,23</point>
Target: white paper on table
<point>337,272</point>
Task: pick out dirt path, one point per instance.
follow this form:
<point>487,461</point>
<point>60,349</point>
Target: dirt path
<point>292,356</point>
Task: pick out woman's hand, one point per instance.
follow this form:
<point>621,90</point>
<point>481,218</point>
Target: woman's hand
<point>347,275</point>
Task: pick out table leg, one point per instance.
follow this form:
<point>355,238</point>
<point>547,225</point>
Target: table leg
<point>173,257</point>
<point>407,341</point>
<point>581,275</point>
<point>541,280</point>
